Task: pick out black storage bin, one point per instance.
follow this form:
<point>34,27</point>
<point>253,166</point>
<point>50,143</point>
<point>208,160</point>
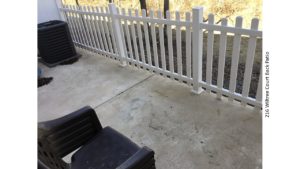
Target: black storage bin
<point>55,44</point>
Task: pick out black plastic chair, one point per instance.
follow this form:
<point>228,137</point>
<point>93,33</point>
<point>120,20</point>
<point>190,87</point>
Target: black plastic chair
<point>98,148</point>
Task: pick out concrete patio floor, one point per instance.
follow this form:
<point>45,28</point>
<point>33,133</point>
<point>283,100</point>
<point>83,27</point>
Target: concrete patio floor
<point>185,130</point>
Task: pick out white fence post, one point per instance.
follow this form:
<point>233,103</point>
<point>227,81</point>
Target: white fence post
<point>118,35</point>
<point>59,6</point>
<point>197,49</point>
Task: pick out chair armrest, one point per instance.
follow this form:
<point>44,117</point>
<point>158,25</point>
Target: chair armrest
<point>144,156</point>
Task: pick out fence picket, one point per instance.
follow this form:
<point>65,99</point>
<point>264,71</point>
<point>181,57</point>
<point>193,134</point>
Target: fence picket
<point>106,29</point>
<point>71,24</point>
<point>97,29</point>
<point>210,51</point>
<point>87,29</point>
<point>89,18</point>
<point>235,56</point>
<point>83,26</point>
<point>136,53</point>
<point>222,55</point>
<point>76,24</point>
<point>60,6</point>
<point>249,61</point>
<point>188,46</point>
<point>259,89</point>
<point>147,38</point>
<point>154,43</point>
<point>78,21</point>
<point>162,42</point>
<point>111,33</point>
<point>178,45</point>
<point>94,30</point>
<point>128,36</point>
<point>141,45</point>
<point>68,18</point>
<point>170,45</point>
<point>101,26</point>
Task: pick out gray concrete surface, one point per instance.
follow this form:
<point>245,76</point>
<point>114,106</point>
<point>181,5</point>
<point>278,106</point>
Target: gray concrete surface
<point>186,131</point>
<point>90,81</point>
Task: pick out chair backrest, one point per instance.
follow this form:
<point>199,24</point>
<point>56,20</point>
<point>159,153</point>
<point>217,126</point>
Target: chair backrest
<point>57,138</point>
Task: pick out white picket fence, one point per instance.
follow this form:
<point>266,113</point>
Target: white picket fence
<point>139,40</point>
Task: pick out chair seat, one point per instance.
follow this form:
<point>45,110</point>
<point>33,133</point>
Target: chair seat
<point>107,150</point>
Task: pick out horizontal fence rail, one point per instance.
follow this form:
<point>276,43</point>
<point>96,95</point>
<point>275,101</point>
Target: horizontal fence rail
<point>206,56</point>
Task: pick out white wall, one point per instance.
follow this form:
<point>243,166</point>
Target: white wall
<point>47,10</point>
